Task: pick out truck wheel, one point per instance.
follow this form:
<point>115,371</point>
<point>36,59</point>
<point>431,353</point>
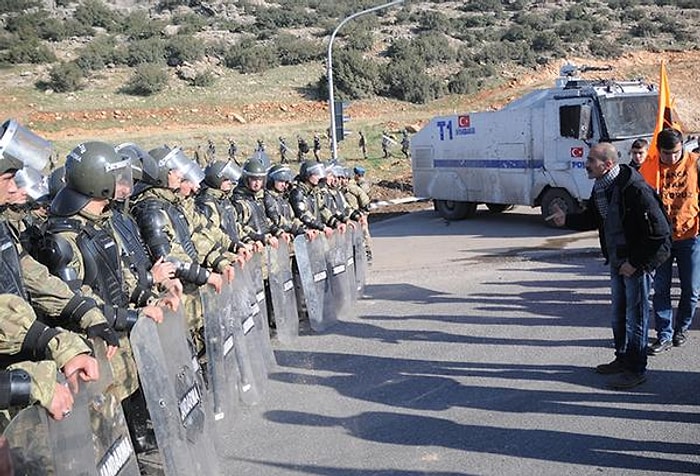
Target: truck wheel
<point>451,210</point>
<point>561,198</point>
<point>499,207</point>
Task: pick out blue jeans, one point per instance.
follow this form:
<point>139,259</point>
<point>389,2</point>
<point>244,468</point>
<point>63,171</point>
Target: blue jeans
<point>630,319</point>
<point>687,256</point>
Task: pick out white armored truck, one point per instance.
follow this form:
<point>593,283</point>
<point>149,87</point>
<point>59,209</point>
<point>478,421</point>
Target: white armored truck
<point>532,151</point>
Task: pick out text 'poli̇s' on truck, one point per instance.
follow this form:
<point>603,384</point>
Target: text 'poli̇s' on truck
<point>533,150</point>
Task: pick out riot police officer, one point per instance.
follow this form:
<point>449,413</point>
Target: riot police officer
<point>307,202</point>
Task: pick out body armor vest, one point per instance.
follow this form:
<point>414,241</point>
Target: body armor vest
<point>258,219</point>
<point>11,281</point>
<point>133,248</point>
<point>101,260</point>
<point>152,206</point>
<point>226,211</point>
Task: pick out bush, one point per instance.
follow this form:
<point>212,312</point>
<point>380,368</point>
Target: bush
<point>96,13</point>
<point>407,80</point>
<point>604,48</point>
<point>147,79</point>
<point>29,51</point>
<point>293,50</point>
<point>17,6</point>
<point>433,21</point>
<point>65,77</point>
<point>354,77</point>
<point>575,31</point>
<point>518,33</point>
<point>645,29</point>
<point>181,48</point>
<point>251,57</point>
<point>204,79</point>
<point>274,18</point>
<point>25,26</point>
<point>464,83</point>
<point>546,41</point>
<point>431,48</point>
<point>190,23</point>
<point>151,50</point>
<point>97,54</point>
<point>139,26</point>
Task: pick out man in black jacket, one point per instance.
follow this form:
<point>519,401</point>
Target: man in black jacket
<point>635,237</point>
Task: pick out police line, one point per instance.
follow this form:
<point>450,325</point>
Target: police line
<point>193,402</point>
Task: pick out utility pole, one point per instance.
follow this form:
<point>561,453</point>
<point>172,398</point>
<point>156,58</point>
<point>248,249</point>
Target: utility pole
<point>329,65</point>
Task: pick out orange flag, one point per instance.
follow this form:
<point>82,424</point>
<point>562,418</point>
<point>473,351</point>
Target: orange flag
<point>665,117</point>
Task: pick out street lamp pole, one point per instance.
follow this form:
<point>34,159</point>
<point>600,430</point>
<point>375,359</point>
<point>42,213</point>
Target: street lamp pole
<point>329,74</point>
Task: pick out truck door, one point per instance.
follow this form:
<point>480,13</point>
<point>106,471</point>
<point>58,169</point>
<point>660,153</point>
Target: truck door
<point>568,133</point>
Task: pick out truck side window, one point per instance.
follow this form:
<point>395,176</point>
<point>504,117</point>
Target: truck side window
<point>569,121</point>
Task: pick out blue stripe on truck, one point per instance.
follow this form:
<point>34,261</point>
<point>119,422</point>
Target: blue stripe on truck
<point>489,164</point>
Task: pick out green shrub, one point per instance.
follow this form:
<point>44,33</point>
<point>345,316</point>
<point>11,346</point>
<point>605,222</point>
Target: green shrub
<point>138,25</point>
<point>96,13</point>
<point>97,54</point>
<point>546,41</point>
<point>518,33</point>
<point>293,50</point>
<point>151,50</point>
<point>29,51</point>
<point>533,20</point>
<point>190,23</point>
<point>17,6</point>
<point>434,21</point>
<point>147,79</point>
<point>464,83</point>
<point>605,48</point>
<point>406,80</point>
<point>182,48</point>
<point>204,79</point>
<point>430,47</point>
<point>354,77</point>
<point>645,28</point>
<point>575,31</point>
<point>248,56</point>
<point>65,77</point>
<point>274,18</point>
<point>25,26</point>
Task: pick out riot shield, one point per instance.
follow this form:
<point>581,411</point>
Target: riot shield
<point>311,262</point>
<point>258,309</point>
<point>93,440</point>
<point>282,292</point>
<point>360,254</point>
<point>222,368</point>
<point>174,396</point>
<point>350,260</point>
<point>341,290</point>
<point>27,435</point>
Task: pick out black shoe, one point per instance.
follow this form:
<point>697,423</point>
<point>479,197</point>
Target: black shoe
<point>627,380</point>
<point>659,346</point>
<point>614,367</point>
<point>679,339</point>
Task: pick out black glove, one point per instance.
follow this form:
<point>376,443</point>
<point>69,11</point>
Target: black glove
<point>104,332</point>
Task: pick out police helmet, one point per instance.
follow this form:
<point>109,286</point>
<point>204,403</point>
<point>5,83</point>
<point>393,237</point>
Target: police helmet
<point>33,182</point>
<point>143,167</point>
<point>218,171</point>
<point>175,159</point>
<point>20,147</point>
<point>254,168</point>
<point>279,173</point>
<point>311,167</point>
<point>93,170</point>
<point>57,179</point>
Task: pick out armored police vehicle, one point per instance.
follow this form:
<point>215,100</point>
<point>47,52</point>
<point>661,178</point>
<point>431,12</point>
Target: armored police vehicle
<point>532,151</point>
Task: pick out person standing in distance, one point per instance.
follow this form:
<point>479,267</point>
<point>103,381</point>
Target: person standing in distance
<point>678,189</point>
<point>638,153</point>
<point>635,237</point>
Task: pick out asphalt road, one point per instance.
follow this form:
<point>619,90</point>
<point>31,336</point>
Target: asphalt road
<point>472,353</point>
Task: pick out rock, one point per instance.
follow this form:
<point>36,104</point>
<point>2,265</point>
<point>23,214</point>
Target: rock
<point>187,73</point>
<point>237,117</point>
<point>171,30</point>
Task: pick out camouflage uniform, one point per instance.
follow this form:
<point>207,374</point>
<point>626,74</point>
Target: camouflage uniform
<point>114,301</point>
<point>309,206</point>
<point>280,212</point>
<point>357,199</point>
<point>215,205</point>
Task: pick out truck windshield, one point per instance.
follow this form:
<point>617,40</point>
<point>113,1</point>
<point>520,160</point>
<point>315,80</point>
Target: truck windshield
<point>629,116</point>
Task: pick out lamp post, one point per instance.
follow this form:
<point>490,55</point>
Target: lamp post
<point>329,64</point>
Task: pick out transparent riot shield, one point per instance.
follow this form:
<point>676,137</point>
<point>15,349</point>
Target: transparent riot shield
<point>360,254</point>
<point>174,396</point>
<point>252,372</point>
<point>282,292</point>
<point>258,308</point>
<point>93,440</point>
<point>27,435</point>
<point>350,260</point>
<point>311,261</point>
<point>222,369</point>
<point>336,263</point>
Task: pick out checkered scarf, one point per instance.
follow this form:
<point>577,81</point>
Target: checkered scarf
<point>600,186</point>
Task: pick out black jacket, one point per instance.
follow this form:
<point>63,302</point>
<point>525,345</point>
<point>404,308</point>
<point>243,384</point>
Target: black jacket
<point>646,226</point>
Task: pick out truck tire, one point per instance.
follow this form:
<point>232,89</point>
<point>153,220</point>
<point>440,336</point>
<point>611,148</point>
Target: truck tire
<point>562,199</point>
<point>451,210</point>
<point>499,207</point>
